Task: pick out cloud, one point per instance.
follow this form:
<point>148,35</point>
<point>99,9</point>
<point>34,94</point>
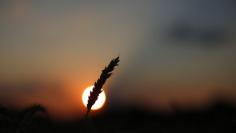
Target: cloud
<point>203,35</point>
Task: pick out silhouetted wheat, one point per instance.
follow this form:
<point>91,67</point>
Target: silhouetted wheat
<point>28,114</point>
<point>97,89</point>
<point>19,121</point>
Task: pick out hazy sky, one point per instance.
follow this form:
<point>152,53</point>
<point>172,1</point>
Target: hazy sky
<point>179,51</point>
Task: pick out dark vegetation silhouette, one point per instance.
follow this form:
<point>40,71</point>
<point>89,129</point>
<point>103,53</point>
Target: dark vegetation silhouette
<point>97,89</point>
<point>20,121</point>
<point>219,117</point>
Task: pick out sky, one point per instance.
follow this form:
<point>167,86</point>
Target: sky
<point>172,52</point>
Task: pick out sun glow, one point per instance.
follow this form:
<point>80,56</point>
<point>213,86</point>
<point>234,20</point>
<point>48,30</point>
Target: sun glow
<point>100,101</point>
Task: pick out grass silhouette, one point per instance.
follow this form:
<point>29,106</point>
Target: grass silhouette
<point>97,89</point>
<point>219,117</point>
<point>19,121</point>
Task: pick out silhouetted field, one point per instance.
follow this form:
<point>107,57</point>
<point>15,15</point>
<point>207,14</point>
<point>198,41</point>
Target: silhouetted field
<point>217,118</point>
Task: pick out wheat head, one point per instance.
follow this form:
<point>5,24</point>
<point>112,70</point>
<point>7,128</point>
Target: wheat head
<point>97,89</point>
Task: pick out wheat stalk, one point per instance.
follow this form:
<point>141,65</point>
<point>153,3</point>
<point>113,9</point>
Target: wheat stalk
<point>97,89</point>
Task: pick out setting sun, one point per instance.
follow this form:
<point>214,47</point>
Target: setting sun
<point>100,101</point>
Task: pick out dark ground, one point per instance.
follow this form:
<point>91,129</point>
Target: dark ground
<point>220,117</point>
